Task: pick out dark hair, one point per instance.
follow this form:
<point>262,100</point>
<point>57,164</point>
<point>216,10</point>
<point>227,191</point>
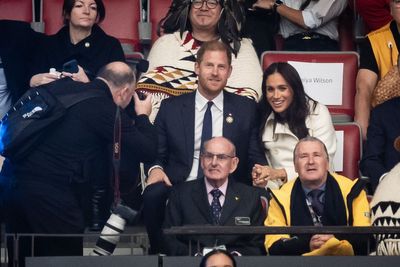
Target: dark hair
<point>214,46</point>
<point>69,4</point>
<point>296,114</point>
<point>229,25</point>
<point>217,251</point>
<point>117,76</point>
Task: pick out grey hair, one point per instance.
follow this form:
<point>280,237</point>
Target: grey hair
<point>310,139</point>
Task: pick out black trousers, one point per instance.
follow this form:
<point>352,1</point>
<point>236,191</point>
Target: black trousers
<point>42,208</point>
<point>310,42</point>
<point>154,202</point>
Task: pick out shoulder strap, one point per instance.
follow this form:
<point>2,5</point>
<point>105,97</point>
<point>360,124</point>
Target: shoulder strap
<point>68,100</point>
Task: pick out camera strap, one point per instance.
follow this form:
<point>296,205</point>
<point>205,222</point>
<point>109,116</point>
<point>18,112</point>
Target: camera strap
<point>117,155</point>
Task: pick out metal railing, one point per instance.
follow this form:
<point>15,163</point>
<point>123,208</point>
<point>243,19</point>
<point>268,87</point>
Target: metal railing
<point>218,230</point>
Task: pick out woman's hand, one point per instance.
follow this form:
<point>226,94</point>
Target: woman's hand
<point>80,76</point>
<point>44,78</point>
<point>262,174</point>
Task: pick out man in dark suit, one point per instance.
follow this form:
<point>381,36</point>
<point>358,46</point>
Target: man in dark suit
<point>381,152</point>
<point>180,134</point>
<point>215,200</point>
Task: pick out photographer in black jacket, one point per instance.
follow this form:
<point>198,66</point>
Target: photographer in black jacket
<point>45,196</point>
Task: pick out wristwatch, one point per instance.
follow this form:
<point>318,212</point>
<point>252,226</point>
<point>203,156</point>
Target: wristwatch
<point>277,3</point>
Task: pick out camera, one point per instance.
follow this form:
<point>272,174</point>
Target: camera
<point>114,226</point>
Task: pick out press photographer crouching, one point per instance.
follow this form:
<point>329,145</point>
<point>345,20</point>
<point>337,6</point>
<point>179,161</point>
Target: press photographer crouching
<point>44,197</point>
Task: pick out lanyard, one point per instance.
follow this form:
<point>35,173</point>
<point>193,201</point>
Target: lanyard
<point>317,220</point>
<point>117,155</point>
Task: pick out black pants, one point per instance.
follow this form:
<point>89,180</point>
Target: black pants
<point>41,208</point>
<point>261,26</point>
<point>154,202</point>
<point>310,42</point>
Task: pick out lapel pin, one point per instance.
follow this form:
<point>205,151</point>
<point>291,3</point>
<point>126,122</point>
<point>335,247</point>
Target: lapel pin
<point>229,118</point>
<point>87,44</point>
<point>236,198</point>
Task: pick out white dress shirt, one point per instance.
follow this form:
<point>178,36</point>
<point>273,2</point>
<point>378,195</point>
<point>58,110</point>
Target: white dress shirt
<point>217,111</point>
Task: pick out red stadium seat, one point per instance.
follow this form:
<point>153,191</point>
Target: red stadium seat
<point>340,113</point>
<point>17,10</point>
<point>351,147</point>
<point>52,15</point>
<point>157,10</point>
<point>122,18</point>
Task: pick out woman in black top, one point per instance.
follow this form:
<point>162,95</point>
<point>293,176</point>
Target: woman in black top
<point>80,39</point>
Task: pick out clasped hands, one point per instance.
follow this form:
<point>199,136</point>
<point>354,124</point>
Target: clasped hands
<point>262,174</point>
<point>44,78</point>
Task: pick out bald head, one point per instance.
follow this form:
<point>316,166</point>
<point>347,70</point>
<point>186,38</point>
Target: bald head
<point>220,140</point>
<point>121,81</point>
<point>117,74</point>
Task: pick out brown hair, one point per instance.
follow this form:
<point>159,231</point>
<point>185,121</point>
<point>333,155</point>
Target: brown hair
<point>213,46</point>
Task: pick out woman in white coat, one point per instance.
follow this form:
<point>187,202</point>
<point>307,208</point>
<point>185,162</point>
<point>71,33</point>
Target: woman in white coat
<point>287,115</point>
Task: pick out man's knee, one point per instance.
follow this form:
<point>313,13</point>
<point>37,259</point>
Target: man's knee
<point>155,192</point>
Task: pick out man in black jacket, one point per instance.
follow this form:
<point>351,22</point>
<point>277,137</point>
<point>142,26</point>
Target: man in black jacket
<point>45,196</point>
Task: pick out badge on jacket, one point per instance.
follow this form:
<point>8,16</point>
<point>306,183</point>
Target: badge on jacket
<point>242,220</point>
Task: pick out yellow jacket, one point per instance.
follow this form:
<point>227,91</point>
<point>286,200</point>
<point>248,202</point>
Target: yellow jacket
<point>279,210</point>
<point>384,48</point>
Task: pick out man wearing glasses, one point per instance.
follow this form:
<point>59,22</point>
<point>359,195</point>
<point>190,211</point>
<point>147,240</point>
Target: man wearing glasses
<point>185,122</point>
<point>186,26</point>
<point>215,200</point>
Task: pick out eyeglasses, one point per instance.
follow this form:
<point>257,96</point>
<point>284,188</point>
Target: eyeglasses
<point>220,157</point>
<point>211,4</point>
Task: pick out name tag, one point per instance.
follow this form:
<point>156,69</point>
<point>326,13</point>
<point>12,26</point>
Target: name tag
<point>207,250</point>
<point>242,220</point>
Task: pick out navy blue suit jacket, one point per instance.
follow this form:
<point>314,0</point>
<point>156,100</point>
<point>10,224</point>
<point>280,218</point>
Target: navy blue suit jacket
<point>379,155</point>
<point>188,205</point>
<point>175,125</point>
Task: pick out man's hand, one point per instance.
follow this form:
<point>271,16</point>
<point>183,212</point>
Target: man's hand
<point>262,174</point>
<point>142,106</point>
<point>158,175</point>
<point>318,240</point>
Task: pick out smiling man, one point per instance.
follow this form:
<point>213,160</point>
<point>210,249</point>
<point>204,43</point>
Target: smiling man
<point>318,198</point>
<point>185,122</point>
<point>215,200</point>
